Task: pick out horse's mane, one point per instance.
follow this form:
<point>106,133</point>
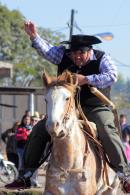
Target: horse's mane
<point>66,79</point>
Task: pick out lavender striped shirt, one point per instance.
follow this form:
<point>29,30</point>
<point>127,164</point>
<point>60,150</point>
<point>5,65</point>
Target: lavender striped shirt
<point>54,54</point>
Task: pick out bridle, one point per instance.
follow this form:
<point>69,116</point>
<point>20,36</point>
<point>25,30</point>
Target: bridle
<point>67,112</point>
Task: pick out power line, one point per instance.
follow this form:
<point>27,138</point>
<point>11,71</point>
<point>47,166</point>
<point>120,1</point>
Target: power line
<point>119,7</point>
<point>90,26</point>
<point>74,24</point>
<point>121,63</point>
<point>104,25</point>
<point>77,27</point>
<point>61,29</point>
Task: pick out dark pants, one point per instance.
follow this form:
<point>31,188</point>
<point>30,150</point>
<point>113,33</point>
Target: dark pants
<point>107,133</point>
<point>35,146</point>
<point>13,158</point>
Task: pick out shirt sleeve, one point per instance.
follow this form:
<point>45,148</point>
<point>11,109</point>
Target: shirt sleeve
<point>53,54</point>
<point>107,75</point>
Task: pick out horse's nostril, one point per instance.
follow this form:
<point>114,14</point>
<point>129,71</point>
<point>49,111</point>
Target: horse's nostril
<point>57,124</point>
<point>51,126</point>
<point>61,134</point>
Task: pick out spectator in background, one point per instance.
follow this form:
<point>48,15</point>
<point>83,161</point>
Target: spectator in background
<point>126,141</point>
<point>123,121</point>
<point>9,139</point>
<point>27,112</point>
<point>22,133</point>
<point>36,114</point>
<point>34,120</point>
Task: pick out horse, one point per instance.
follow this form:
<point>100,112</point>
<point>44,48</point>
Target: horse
<point>74,167</point>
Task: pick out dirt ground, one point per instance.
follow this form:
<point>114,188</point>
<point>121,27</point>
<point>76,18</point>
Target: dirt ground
<point>31,191</point>
<point>39,191</point>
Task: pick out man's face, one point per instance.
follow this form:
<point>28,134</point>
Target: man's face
<point>79,57</point>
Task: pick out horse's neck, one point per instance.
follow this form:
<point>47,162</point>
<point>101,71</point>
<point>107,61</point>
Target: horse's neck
<point>69,152</point>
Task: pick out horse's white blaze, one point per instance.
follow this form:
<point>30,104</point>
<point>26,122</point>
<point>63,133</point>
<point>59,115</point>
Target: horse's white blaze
<point>56,99</point>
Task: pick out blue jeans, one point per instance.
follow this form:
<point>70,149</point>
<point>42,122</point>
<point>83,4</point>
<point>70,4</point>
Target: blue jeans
<point>20,152</point>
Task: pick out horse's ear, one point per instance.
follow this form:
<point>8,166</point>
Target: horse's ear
<point>68,77</point>
<point>65,77</point>
<point>46,79</point>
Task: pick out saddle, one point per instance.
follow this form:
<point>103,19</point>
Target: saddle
<point>93,130</point>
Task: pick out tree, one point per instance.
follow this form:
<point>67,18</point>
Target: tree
<point>15,47</point>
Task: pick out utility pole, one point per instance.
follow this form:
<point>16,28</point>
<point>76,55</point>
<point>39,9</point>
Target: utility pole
<point>71,23</point>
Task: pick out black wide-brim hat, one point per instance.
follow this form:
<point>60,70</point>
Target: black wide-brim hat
<point>82,42</point>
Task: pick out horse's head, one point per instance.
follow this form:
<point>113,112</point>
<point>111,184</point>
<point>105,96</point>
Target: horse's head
<point>60,102</point>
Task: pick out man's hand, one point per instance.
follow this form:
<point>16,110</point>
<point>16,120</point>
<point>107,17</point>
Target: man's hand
<point>81,79</point>
<point>30,29</point>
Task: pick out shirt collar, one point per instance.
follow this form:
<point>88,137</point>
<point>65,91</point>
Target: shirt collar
<point>92,56</point>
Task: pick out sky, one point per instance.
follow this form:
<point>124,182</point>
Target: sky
<point>91,17</point>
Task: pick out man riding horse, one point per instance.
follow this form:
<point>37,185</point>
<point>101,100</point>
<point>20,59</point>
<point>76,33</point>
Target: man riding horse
<point>92,68</point>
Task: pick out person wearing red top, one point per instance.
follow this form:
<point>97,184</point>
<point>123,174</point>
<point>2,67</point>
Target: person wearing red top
<point>22,133</point>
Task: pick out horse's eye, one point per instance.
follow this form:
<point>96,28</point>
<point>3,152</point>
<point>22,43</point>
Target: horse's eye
<point>67,98</point>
